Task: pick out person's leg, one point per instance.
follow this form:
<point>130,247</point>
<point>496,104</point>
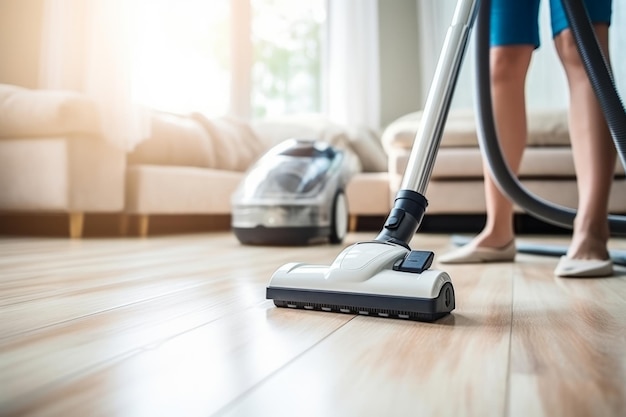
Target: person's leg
<point>509,66</point>
<point>594,152</point>
<point>514,37</point>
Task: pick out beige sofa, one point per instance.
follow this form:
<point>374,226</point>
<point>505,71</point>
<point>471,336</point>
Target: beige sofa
<point>53,159</point>
<point>456,185</point>
<point>192,164</point>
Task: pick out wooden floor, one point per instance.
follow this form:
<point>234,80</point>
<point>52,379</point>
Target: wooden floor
<point>179,326</point>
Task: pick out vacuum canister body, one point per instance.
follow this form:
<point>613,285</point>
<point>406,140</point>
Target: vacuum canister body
<point>295,194</point>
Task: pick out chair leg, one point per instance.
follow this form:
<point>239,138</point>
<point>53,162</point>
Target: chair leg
<point>77,220</point>
<point>143,225</point>
<point>352,222</point>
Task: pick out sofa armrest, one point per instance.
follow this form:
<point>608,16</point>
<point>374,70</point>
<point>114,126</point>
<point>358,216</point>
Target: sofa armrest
<point>49,113</point>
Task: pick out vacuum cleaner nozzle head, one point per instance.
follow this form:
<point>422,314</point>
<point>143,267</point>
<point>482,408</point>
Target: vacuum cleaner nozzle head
<point>369,278</point>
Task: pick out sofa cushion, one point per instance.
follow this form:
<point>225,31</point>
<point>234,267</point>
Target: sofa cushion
<point>235,144</point>
<point>58,113</point>
<point>367,146</point>
<point>467,163</point>
<point>363,142</point>
<point>196,141</point>
<point>175,140</point>
<point>468,197</point>
<point>274,130</point>
<point>154,189</point>
<point>545,128</point>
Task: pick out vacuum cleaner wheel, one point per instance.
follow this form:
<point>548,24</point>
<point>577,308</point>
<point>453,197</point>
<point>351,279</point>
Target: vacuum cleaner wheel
<point>339,218</point>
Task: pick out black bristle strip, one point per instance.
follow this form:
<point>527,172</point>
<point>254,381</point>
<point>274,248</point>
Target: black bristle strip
<point>406,315</point>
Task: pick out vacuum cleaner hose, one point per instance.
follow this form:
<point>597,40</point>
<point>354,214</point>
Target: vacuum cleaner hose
<point>599,72</point>
<point>488,140</point>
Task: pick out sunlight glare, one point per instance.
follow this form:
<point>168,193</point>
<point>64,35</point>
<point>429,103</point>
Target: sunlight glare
<point>181,60</point>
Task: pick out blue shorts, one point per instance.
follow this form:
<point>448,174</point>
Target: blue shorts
<point>516,22</point>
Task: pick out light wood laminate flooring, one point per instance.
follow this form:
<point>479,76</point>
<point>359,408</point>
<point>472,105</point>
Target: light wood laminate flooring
<point>179,326</point>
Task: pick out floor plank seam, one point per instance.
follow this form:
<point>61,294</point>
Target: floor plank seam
<point>226,408</point>
<point>155,345</point>
<point>507,388</point>
<point>19,405</point>
<point>81,290</point>
<point>103,311</point>
<point>81,266</point>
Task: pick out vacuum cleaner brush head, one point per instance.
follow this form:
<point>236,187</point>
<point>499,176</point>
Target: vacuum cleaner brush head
<point>369,278</point>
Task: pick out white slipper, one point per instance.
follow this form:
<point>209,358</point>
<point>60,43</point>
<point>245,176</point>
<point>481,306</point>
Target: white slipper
<point>583,268</point>
<point>477,254</point>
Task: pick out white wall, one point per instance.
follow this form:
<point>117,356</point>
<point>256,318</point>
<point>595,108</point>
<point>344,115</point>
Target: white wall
<point>20,36</point>
<point>399,59</point>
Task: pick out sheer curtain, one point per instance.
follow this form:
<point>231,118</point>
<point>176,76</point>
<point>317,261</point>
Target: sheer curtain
<point>352,63</point>
<point>434,18</point>
<point>618,46</point>
<point>546,86</point>
<point>88,47</point>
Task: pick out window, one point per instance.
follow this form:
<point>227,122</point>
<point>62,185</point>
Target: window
<point>287,41</point>
<point>185,59</point>
<point>182,58</point>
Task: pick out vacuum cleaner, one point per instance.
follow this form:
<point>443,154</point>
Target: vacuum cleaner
<point>385,277</point>
<point>294,195</point>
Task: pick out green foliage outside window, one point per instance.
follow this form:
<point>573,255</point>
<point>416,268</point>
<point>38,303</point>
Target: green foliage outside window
<point>287,42</point>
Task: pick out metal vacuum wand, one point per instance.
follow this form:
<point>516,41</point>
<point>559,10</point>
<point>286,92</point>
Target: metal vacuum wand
<point>410,204</point>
